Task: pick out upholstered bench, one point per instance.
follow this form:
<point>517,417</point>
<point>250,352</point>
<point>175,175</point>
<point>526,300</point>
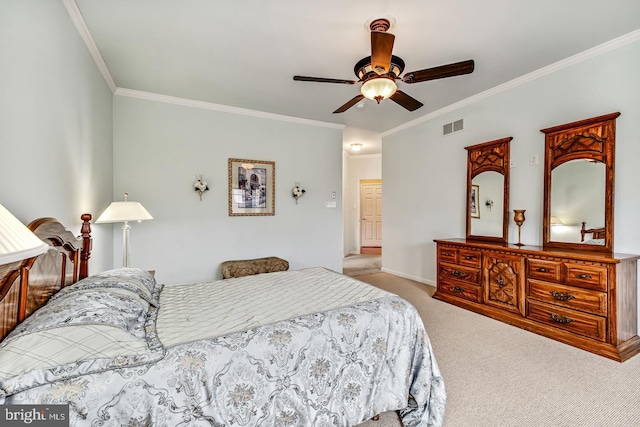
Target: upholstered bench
<point>249,267</point>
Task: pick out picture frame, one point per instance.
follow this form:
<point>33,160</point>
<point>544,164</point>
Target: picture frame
<point>474,197</point>
<point>252,185</point>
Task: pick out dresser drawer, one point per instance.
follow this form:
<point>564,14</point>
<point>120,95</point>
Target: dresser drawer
<point>571,297</point>
<point>544,270</point>
<point>469,258</point>
<point>460,290</point>
<point>449,271</point>
<point>448,254</point>
<point>577,322</point>
<point>587,276</point>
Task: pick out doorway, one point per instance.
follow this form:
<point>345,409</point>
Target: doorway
<point>371,216</point>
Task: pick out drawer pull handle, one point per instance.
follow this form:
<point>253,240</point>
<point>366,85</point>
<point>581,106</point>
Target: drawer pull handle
<point>468,257</point>
<point>500,282</point>
<point>542,270</point>
<point>446,254</point>
<point>458,289</point>
<point>562,296</point>
<point>457,273</point>
<point>583,276</point>
<point>561,319</point>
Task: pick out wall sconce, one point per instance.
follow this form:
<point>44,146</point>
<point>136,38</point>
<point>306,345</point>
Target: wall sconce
<point>200,185</point>
<point>489,204</point>
<point>298,191</point>
<point>356,147</point>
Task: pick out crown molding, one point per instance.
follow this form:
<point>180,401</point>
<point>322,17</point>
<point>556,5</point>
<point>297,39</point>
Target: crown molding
<point>150,96</point>
<point>534,75</point>
<point>83,30</point>
<point>85,34</point>
<point>76,16</point>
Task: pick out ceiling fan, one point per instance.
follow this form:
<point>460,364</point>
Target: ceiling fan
<point>378,73</point>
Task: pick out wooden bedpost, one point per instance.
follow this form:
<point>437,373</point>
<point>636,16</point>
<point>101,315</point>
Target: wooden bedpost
<point>85,252</point>
<point>22,291</point>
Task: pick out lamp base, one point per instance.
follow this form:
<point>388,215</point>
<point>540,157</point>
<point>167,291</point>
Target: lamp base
<point>125,244</point>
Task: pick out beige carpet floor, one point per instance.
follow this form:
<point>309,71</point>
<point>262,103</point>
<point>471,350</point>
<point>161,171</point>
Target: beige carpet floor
<point>497,375</point>
<point>359,265</point>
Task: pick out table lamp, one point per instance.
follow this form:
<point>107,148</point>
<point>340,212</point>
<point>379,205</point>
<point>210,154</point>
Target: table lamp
<point>17,242</point>
<point>124,212</point>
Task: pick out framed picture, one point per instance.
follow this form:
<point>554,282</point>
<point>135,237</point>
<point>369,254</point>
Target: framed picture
<point>251,187</point>
<point>473,202</point>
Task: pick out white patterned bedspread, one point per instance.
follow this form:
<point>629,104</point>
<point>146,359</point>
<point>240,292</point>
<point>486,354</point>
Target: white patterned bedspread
<point>325,350</point>
<point>193,312</point>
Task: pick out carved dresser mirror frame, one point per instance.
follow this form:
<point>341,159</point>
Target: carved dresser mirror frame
<point>593,140</point>
<point>491,156</point>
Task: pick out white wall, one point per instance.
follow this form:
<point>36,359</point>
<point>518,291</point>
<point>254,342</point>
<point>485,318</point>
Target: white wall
<point>420,158</point>
<point>160,147</point>
<point>55,121</point>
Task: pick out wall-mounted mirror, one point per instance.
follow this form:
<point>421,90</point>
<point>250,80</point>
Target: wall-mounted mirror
<point>578,185</point>
<point>488,190</point>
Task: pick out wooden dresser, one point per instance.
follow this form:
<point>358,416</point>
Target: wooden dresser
<point>584,299</point>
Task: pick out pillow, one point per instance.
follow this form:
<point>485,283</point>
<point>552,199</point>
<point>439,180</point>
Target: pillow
<point>77,334</point>
<point>594,242</point>
<point>114,307</point>
<point>135,280</point>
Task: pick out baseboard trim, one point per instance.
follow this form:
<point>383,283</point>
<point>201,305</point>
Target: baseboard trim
<point>410,277</point>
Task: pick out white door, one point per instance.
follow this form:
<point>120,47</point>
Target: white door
<point>371,213</point>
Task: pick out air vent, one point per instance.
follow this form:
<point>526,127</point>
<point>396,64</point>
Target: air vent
<point>453,127</point>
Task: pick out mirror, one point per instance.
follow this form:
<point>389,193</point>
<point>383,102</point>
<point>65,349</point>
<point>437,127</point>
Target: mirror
<point>577,197</point>
<point>578,187</point>
<point>488,190</point>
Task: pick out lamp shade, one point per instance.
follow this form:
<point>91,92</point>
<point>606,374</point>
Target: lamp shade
<point>17,242</point>
<point>555,221</point>
<point>378,88</point>
<point>124,211</point>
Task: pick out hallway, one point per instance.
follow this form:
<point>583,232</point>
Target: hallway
<point>358,265</point>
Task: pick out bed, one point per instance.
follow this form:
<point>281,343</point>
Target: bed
<point>306,347</point>
<point>597,235</point>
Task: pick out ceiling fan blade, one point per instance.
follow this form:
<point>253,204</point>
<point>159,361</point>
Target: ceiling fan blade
<point>381,48</point>
<point>406,101</point>
<point>323,80</point>
<point>450,70</point>
<point>353,101</point>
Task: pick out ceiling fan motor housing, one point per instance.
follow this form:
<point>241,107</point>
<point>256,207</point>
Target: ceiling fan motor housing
<point>380,24</point>
<point>364,71</point>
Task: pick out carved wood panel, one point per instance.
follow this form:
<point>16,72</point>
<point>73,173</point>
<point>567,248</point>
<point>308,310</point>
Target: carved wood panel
<point>503,282</point>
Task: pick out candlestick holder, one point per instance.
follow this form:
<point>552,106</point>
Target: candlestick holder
<point>519,218</point>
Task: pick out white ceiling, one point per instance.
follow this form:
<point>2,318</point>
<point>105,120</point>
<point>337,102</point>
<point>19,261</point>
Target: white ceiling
<point>245,53</point>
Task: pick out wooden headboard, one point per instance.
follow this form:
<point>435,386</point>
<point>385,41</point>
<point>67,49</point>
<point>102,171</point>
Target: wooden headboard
<point>598,233</point>
<point>27,285</point>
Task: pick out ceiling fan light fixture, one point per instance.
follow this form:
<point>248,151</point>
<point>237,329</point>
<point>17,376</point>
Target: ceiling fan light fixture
<point>378,88</point>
